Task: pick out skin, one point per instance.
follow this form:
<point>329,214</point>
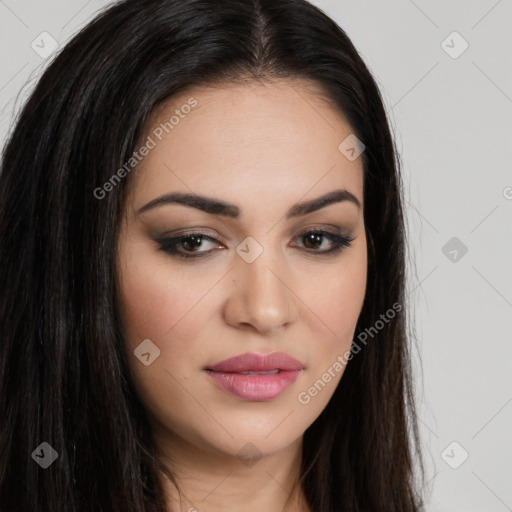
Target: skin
<point>263,148</point>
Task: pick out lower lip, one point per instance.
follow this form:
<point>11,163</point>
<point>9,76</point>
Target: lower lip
<point>256,388</point>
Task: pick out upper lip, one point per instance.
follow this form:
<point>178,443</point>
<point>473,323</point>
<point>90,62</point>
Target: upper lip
<point>257,363</point>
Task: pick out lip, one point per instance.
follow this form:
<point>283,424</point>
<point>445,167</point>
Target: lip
<point>252,362</point>
<point>228,375</point>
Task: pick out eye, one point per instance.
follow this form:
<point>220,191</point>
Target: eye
<point>188,245</point>
<point>313,239</point>
<point>185,246</point>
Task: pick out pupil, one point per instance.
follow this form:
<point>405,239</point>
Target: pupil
<point>196,242</point>
<point>314,238</point>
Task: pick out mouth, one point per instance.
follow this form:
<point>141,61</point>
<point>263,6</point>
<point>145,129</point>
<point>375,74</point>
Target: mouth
<point>256,377</point>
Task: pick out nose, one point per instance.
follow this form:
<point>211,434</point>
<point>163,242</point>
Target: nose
<point>261,296</point>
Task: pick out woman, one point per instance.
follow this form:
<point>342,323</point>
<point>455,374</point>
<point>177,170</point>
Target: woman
<point>203,261</point>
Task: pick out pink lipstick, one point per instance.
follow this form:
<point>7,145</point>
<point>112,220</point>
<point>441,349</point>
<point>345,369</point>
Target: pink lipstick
<point>256,377</point>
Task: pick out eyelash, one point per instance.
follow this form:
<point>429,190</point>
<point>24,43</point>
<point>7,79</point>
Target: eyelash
<point>170,245</point>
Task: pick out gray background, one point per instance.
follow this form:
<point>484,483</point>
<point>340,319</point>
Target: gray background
<point>452,119</point>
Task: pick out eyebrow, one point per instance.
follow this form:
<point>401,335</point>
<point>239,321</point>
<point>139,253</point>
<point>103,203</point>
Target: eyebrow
<point>217,207</point>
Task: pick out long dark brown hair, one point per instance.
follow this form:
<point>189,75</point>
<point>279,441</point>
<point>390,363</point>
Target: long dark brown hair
<point>63,377</point>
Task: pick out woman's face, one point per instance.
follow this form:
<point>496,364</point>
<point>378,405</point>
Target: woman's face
<point>261,280</point>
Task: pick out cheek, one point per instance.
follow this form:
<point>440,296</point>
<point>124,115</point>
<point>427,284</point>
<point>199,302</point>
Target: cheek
<point>162,307</point>
<point>336,296</point>
<point>342,305</point>
<point>155,305</point>
<point>337,301</point>
<point>337,304</point>
<point>149,305</point>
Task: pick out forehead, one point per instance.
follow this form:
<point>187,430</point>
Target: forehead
<point>251,141</point>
